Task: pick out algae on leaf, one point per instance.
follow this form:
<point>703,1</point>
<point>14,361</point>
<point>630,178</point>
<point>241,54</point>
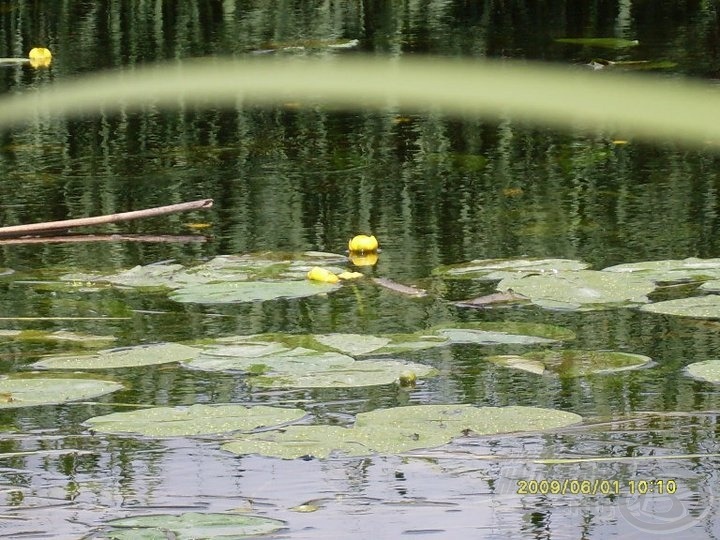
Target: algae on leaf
<point>196,419</point>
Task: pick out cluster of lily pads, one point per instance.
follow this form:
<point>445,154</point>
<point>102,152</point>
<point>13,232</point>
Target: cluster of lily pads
<point>353,360</point>
<point>569,284</point>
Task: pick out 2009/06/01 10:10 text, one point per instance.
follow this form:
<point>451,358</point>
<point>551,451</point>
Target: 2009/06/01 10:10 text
<point>596,487</point>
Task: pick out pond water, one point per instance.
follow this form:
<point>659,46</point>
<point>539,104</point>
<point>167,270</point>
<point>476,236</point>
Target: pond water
<point>435,191</point>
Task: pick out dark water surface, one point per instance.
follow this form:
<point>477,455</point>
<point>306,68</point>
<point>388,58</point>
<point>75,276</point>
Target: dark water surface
<point>435,191</point>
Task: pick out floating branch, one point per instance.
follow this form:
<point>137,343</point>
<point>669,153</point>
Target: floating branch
<point>56,227</point>
<point>76,238</point>
<point>399,287</point>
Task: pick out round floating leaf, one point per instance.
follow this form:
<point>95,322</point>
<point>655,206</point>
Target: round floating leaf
<point>496,269</point>
<point>711,286</point>
<point>303,368</point>
<point>249,291</point>
<point>353,344</point>
<point>141,355</point>
<point>353,375</point>
<point>572,363</point>
<point>700,307</point>
<point>708,370</point>
<point>548,331</point>
<point>191,525</point>
<point>456,419</point>
<point>582,289</point>
<point>671,271</point>
<point>194,420</point>
<point>485,337</point>
<point>298,360</point>
<point>399,429</point>
<point>31,391</point>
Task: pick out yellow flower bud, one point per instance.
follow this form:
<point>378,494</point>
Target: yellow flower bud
<point>40,57</point>
<point>322,275</point>
<point>363,244</point>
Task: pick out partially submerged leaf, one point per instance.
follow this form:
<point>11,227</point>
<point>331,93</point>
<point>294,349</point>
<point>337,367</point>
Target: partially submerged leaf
<point>399,429</point>
<point>193,420</point>
<point>582,289</point>
<point>140,355</point>
<point>18,391</point>
<point>571,362</point>
<point>707,370</point>
<point>353,344</point>
<point>191,525</point>
<point>700,307</point>
<point>461,335</point>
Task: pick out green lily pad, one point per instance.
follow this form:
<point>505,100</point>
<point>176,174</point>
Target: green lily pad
<point>548,331</point>
<point>708,370</point>
<point>31,391</point>
<point>399,429</point>
<point>83,340</point>
<point>302,368</point>
<point>141,355</point>
<point>497,269</point>
<point>711,286</point>
<point>193,420</point>
<point>191,525</point>
<point>353,344</point>
<point>603,42</point>
<point>582,289</point>
<point>572,363</point>
<point>249,291</point>
<point>700,307</point>
<point>671,271</point>
<point>487,337</point>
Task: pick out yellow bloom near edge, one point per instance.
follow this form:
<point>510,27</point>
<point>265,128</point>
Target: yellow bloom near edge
<point>321,274</point>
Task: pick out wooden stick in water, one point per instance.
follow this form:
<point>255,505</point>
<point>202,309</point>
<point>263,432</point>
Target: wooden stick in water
<point>56,226</point>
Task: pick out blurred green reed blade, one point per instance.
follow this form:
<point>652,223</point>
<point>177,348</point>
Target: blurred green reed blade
<point>646,106</point>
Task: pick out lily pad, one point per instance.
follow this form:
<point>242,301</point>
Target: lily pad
<point>191,525</point>
<point>141,355</point>
<point>700,307</point>
<point>708,370</point>
<point>399,429</point>
<point>31,391</point>
<point>671,271</point>
<point>82,340</point>
<point>303,368</point>
<point>582,289</point>
<point>353,344</point>
<point>249,291</point>
<point>711,286</point>
<point>548,331</point>
<point>487,337</point>
<point>193,420</point>
<point>572,363</point>
<point>497,269</point>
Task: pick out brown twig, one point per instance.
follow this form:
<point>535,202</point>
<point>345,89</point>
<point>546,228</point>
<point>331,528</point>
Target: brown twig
<point>51,227</point>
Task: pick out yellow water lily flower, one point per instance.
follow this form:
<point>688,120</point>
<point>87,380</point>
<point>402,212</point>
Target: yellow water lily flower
<point>323,275</point>
<point>40,57</point>
<point>367,259</point>
<point>363,244</point>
